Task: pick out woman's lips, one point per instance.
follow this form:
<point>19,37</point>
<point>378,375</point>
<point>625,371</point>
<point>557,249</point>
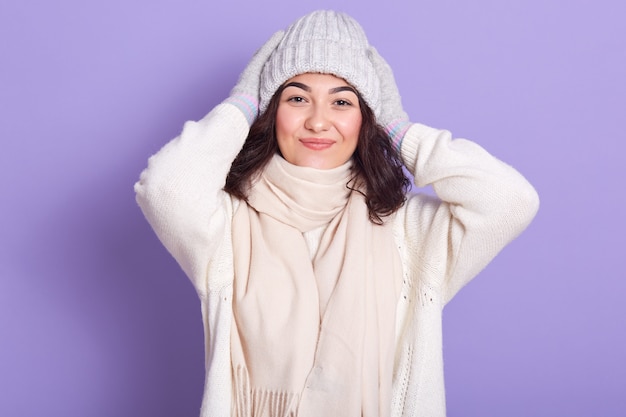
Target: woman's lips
<point>317,144</point>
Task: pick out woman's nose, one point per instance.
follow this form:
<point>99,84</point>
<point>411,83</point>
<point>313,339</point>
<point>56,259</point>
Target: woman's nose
<point>317,120</point>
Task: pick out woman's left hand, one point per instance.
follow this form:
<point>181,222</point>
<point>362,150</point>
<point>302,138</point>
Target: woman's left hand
<point>393,117</point>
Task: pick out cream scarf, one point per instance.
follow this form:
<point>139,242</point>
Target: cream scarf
<point>312,337</point>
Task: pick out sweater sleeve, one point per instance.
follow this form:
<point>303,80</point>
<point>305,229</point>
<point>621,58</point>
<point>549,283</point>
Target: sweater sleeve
<point>482,205</point>
<point>180,192</point>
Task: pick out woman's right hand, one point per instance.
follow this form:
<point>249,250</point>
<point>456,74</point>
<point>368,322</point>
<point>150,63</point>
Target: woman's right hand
<point>245,94</point>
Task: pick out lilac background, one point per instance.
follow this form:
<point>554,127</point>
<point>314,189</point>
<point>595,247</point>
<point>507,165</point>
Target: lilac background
<point>97,320</point>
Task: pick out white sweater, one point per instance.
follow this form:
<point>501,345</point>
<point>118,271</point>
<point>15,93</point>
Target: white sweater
<point>444,242</point>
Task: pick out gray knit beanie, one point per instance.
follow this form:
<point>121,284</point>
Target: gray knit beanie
<point>326,42</point>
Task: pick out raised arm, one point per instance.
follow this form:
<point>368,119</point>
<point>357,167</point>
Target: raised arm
<point>180,192</point>
<point>482,204</point>
<point>485,203</point>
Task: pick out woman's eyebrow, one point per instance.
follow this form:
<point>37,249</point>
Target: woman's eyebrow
<point>334,90</point>
<point>299,85</point>
<point>342,88</point>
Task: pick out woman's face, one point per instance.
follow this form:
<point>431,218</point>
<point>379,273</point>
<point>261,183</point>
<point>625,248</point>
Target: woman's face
<point>318,121</point>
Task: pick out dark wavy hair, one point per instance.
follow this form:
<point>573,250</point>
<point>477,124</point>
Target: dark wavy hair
<point>376,163</point>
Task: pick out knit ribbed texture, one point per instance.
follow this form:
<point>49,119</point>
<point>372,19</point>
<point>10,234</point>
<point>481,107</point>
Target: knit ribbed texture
<point>325,42</point>
<point>396,130</point>
<point>246,103</point>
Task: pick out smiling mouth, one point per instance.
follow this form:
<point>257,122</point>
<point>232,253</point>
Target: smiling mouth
<point>317,144</point>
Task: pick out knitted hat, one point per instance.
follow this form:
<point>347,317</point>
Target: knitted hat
<point>324,42</point>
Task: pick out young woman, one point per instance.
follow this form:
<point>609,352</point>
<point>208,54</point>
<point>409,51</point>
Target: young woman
<point>322,280</point>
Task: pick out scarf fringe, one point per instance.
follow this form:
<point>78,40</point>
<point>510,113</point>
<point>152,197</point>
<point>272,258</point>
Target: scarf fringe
<point>250,402</point>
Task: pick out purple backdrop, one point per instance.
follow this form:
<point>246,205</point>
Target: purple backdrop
<point>97,320</point>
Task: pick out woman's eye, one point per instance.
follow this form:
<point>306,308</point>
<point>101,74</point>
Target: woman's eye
<point>296,99</point>
<point>343,103</point>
